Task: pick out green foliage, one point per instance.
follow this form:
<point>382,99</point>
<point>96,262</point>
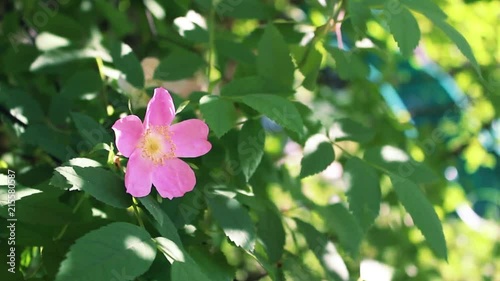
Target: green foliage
<point>317,157</point>
<point>273,61</point>
<point>270,230</point>
<point>316,168</point>
<point>117,249</point>
<point>234,220</point>
<point>178,65</point>
<point>344,225</point>
<point>347,129</point>
<point>422,213</point>
<point>219,113</point>
<point>251,141</point>
<point>278,109</point>
<point>364,193</point>
<point>349,64</point>
<point>321,247</point>
<point>101,184</point>
<point>404,28</point>
<point>127,63</point>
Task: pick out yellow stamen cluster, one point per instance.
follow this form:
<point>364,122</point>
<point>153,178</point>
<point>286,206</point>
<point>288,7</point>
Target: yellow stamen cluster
<point>156,144</point>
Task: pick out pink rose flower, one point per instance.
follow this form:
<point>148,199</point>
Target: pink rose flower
<point>154,148</point>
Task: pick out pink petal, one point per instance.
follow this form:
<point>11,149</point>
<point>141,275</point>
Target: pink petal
<point>174,178</point>
<point>190,138</point>
<point>161,110</point>
<point>128,131</point>
<point>138,177</point>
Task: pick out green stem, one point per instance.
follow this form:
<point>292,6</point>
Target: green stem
<point>136,212</point>
<point>382,169</point>
<point>211,39</point>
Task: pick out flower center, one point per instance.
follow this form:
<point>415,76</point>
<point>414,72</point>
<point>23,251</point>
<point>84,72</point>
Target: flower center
<point>156,144</point>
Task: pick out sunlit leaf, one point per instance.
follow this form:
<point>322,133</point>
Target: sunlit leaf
<point>325,251</point>
<point>423,214</point>
<point>163,223</point>
<point>364,193</point>
<point>404,28</point>
<point>317,157</point>
<point>100,183</point>
<point>118,249</point>
<point>338,220</point>
<point>234,220</point>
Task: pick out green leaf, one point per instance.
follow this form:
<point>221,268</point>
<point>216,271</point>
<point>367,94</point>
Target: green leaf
<point>90,130</point>
<point>82,85</point>
<point>127,62</point>
<point>347,129</point>
<point>348,64</point>
<point>273,60</point>
<point>103,185</point>
<point>434,13</point>
<point>118,19</point>
<point>19,58</point>
<point>163,224</point>
<point>34,209</point>
<point>295,269</point>
<point>398,162</point>
<point>213,264</point>
<point>426,7</point>
<point>252,85</point>
<point>170,249</point>
<point>46,138</point>
<point>404,28</point>
<point>360,14</point>
<point>423,214</point>
<point>317,157</point>
<point>340,221</point>
<point>310,65</point>
<point>459,40</point>
<point>248,9</point>
<point>364,191</point>
<point>235,51</point>
<point>21,105</point>
<point>63,55</point>
<point>219,113</point>
<point>9,195</point>
<point>279,109</point>
<point>187,270</point>
<point>311,123</point>
<point>234,220</point>
<point>324,250</point>
<point>270,230</point>
<point>64,26</point>
<point>178,65</point>
<point>118,249</point>
<point>46,41</point>
<point>251,141</point>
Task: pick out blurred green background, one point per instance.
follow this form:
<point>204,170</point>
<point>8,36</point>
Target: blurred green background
<point>102,58</point>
